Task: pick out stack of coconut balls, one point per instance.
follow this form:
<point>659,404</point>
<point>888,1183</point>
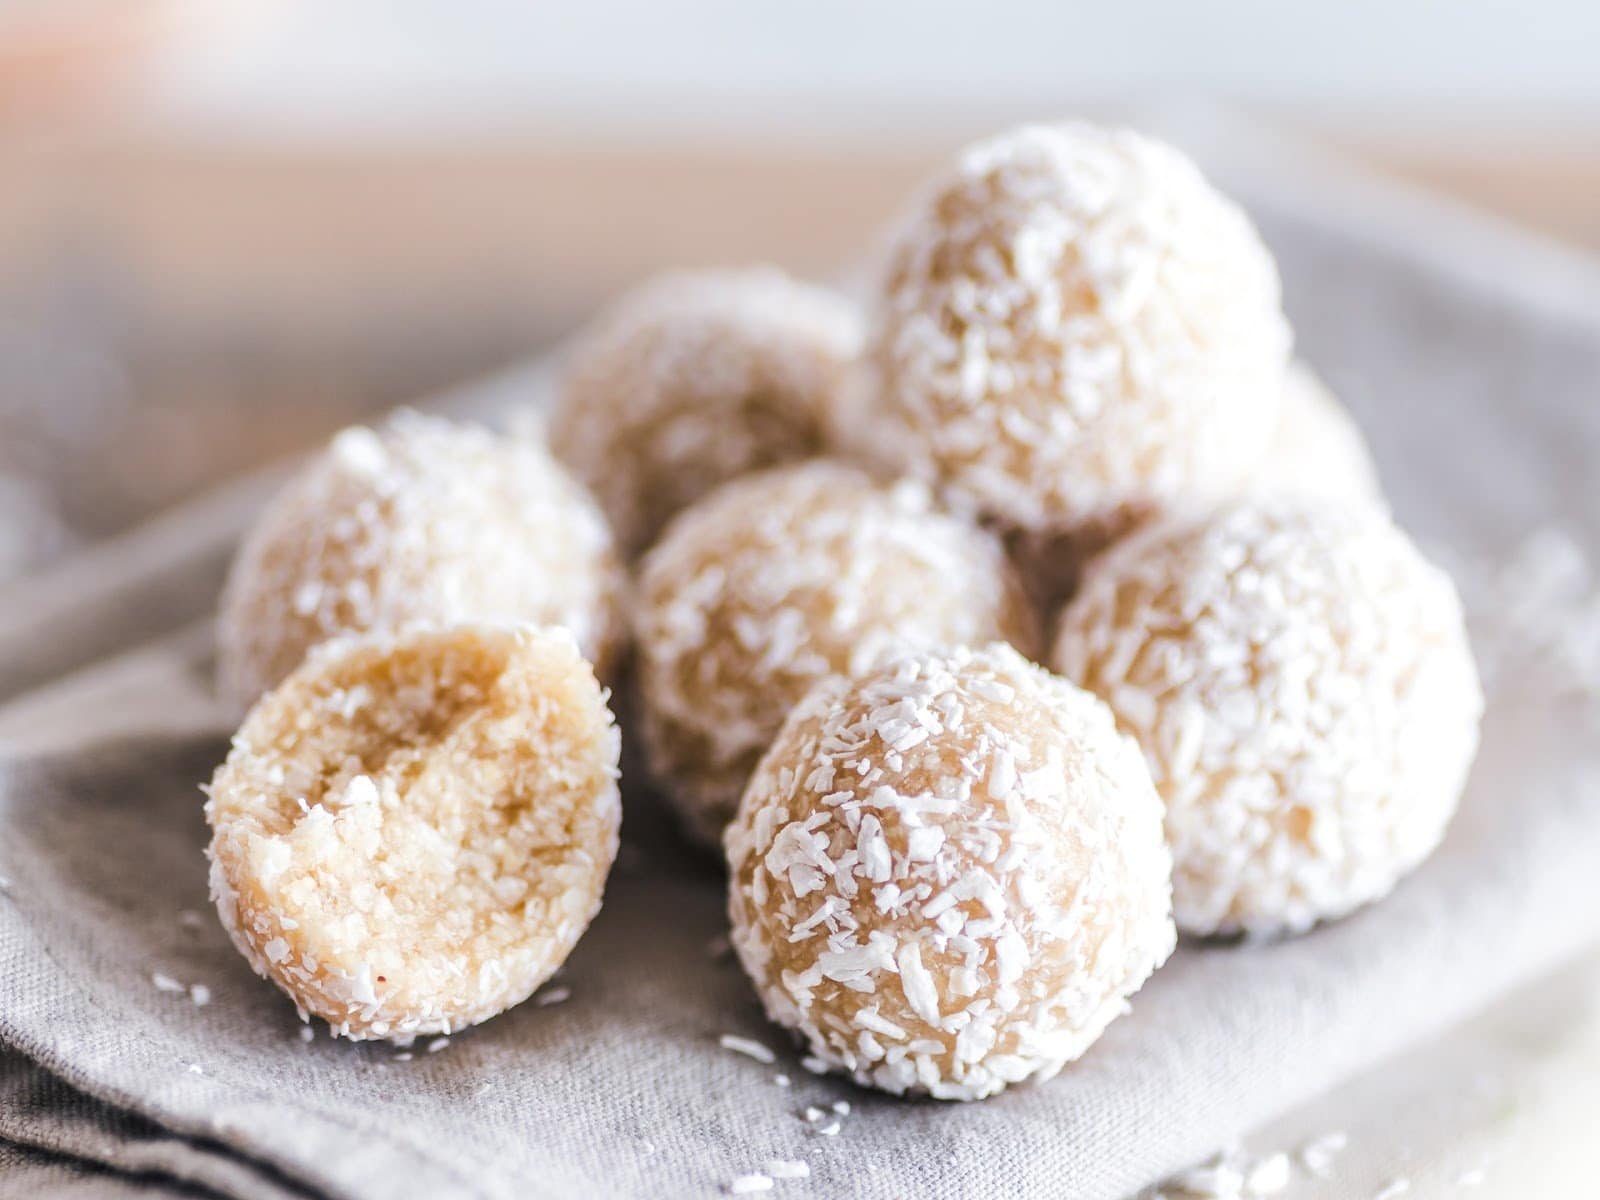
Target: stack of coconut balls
<point>994,636</point>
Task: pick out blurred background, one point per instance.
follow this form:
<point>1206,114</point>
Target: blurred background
<point>227,227</point>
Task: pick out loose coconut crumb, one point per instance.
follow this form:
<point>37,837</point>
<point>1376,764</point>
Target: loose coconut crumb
<point>1231,1174</point>
<point>411,833</point>
<point>696,378</point>
<point>748,1047</point>
<point>555,995</point>
<point>1300,680</point>
<point>780,580</point>
<point>748,1185</point>
<point>947,874</point>
<point>1317,1155</point>
<point>421,521</point>
<point>1075,328</point>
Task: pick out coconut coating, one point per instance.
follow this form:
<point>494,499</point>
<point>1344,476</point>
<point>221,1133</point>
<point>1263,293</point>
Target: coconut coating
<point>410,834</point>
<point>776,581</point>
<point>1317,447</point>
<point>696,378</point>
<point>1300,680</point>
<point>421,522</point>
<point>948,875</point>
<point>1076,329</point>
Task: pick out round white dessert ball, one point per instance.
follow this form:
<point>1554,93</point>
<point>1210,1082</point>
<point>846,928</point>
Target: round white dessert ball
<point>1317,448</point>
<point>1077,330</point>
<point>947,875</point>
<point>1300,679</point>
<point>781,579</point>
<point>420,522</point>
<point>695,378</point>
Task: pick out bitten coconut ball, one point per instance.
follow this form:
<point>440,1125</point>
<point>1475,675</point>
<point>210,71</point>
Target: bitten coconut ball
<point>776,581</point>
<point>948,874</point>
<point>696,378</point>
<point>1317,449</point>
<point>1077,330</point>
<point>410,833</point>
<point>420,522</point>
<point>1300,680</point>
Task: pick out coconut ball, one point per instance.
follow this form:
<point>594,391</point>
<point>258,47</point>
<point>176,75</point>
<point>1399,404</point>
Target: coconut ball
<point>1076,329</point>
<point>1317,448</point>
<point>696,378</point>
<point>947,874</point>
<point>1300,680</point>
<point>411,832</point>
<point>420,522</point>
<point>776,581</point>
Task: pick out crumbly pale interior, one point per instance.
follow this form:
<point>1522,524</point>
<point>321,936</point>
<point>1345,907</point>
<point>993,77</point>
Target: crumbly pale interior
<point>1316,449</point>
<point>948,874</point>
<point>696,378</point>
<point>410,834</point>
<point>1300,680</point>
<point>1077,329</point>
<point>784,578</point>
<point>422,521</point>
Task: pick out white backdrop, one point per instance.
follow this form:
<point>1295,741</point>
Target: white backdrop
<point>1412,68</point>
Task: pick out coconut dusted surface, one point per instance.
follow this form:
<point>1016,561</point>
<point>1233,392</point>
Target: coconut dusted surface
<point>1317,448</point>
<point>410,834</point>
<point>698,377</point>
<point>777,581</point>
<point>948,874</point>
<point>420,521</point>
<point>1300,680</point>
<point>1076,326</point>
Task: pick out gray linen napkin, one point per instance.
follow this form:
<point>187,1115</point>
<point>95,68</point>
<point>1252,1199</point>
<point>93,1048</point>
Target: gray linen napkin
<point>1476,385</point>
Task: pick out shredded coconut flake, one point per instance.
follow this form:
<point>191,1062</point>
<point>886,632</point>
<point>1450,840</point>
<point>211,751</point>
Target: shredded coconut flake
<point>747,1047</point>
